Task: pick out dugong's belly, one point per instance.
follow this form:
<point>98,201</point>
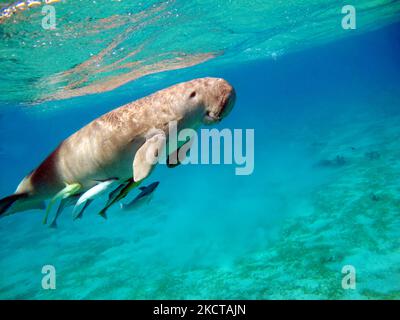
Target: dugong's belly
<point>89,155</point>
<point>91,160</point>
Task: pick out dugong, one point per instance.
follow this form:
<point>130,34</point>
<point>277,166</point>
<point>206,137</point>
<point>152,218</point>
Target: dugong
<point>114,145</point>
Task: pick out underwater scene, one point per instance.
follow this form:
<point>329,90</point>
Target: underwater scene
<point>304,205</point>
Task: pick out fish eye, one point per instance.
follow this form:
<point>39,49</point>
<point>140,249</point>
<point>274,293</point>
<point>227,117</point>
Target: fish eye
<point>192,95</point>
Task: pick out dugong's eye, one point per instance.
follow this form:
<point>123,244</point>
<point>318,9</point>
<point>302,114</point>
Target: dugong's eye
<point>192,95</point>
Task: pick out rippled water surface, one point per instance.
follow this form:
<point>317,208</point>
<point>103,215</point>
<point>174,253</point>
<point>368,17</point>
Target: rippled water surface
<point>105,43</point>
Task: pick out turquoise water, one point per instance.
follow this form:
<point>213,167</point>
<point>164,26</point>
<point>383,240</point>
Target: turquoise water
<point>313,93</point>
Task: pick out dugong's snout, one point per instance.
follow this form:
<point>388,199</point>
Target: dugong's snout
<point>220,103</point>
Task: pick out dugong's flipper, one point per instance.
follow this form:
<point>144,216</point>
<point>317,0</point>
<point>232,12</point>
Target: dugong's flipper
<point>69,190</point>
<point>145,159</point>
<point>147,156</point>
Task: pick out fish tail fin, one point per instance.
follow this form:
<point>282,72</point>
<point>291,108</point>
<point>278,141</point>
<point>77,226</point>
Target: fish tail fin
<point>80,213</point>
<point>77,215</point>
<point>53,225</point>
<point>103,213</point>
<point>7,202</point>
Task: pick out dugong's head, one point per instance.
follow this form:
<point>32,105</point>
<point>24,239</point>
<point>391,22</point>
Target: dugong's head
<point>219,100</point>
<point>214,96</point>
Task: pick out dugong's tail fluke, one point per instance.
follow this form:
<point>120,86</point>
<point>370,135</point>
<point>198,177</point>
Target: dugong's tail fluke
<point>7,202</point>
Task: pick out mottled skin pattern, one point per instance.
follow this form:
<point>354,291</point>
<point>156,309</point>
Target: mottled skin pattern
<point>105,148</point>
